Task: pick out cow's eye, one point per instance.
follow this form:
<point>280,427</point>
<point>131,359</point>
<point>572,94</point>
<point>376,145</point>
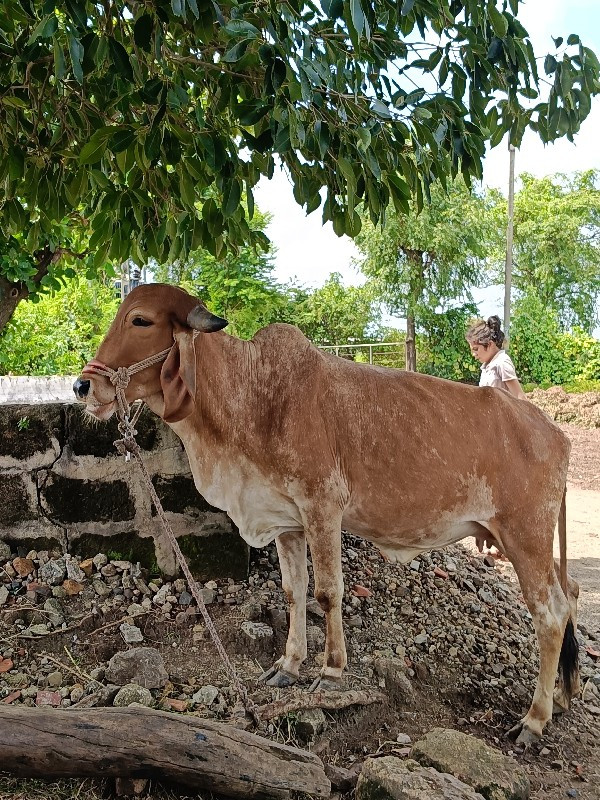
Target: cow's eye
<point>141,322</point>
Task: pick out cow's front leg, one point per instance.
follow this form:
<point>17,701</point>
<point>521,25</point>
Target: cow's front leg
<point>291,549</point>
<point>326,551</point>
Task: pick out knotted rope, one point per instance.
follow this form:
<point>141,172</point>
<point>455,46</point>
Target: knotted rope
<point>127,446</point>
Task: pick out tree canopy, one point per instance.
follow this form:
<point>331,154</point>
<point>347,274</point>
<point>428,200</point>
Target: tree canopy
<point>147,121</point>
<point>557,244</point>
<point>426,263</point>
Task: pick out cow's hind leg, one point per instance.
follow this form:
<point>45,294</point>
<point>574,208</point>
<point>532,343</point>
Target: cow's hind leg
<point>291,549</point>
<point>568,666</point>
<point>549,609</point>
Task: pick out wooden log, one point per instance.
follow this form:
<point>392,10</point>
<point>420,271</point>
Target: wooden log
<point>323,699</point>
<point>143,743</point>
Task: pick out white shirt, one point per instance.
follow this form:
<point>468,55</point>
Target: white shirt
<point>497,371</point>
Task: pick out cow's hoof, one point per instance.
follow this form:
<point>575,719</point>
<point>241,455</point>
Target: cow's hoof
<point>325,685</point>
<point>278,677</point>
<point>522,735</point>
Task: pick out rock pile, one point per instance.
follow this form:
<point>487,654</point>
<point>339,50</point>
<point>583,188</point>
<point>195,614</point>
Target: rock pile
<point>581,409</point>
<point>447,616</point>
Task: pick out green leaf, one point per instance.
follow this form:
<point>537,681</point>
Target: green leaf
<point>323,137</point>
<point>573,39</point>
<point>44,29</point>
<point>178,7</point>
<point>237,51</point>
<point>550,64</point>
<point>239,27</point>
<point>364,136</point>
<point>76,52</point>
<point>121,139</point>
<point>422,113</point>
<point>15,102</point>
<point>231,198</point>
<point>381,109</point>
<point>333,8</point>
<point>498,20</point>
<point>347,171</point>
<point>407,7</point>
<point>60,67</point>
<point>186,188</point>
<point>76,10</point>
<point>120,59</point>
<point>194,7</point>
<point>93,151</point>
<point>152,143</point>
<point>101,255</point>
<point>143,29</point>
<point>250,201</point>
<point>357,16</point>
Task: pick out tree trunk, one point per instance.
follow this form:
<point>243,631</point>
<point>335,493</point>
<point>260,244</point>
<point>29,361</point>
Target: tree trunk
<point>141,742</point>
<point>411,345</point>
<point>11,295</point>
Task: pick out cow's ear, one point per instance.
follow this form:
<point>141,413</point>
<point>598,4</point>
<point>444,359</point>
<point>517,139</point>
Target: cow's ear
<point>177,379</point>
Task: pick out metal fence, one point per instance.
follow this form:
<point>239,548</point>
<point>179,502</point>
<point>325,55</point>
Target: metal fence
<point>383,354</point>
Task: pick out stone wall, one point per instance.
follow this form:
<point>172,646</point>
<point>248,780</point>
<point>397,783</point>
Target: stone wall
<point>36,389</point>
<point>63,484</point>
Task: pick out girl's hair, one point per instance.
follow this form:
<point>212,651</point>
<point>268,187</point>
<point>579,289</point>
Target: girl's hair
<point>482,332</point>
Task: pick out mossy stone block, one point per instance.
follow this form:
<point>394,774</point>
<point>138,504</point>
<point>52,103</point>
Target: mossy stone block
<point>88,437</point>
<point>216,555</point>
<point>128,546</point>
<point>28,429</point>
<point>179,494</point>
<point>72,500</point>
<point>14,500</point>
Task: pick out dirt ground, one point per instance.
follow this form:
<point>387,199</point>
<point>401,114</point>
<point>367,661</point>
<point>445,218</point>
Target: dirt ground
<point>583,521</point>
<point>566,763</point>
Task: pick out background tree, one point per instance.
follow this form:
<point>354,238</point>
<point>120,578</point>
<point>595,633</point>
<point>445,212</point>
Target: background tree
<point>58,334</point>
<point>425,263</point>
<point>557,245</point>
<point>149,120</point>
<point>442,348</point>
<point>338,314</point>
<point>543,352</point>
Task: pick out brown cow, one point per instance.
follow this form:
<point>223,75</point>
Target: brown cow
<point>296,444</point>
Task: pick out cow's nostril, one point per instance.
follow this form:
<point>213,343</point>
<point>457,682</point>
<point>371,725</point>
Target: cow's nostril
<point>81,388</point>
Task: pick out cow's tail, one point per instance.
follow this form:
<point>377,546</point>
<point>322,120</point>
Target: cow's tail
<point>568,662</point>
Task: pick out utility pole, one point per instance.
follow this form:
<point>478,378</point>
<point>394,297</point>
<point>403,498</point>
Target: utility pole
<point>509,243</point>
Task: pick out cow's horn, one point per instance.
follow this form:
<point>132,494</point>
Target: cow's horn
<point>202,320</point>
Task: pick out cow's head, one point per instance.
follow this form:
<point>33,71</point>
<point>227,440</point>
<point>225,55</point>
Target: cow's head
<point>152,318</point>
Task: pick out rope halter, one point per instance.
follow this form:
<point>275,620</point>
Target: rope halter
<point>120,378</point>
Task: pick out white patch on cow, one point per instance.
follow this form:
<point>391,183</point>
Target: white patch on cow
<point>259,511</point>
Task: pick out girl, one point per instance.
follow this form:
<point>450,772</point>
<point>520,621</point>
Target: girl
<point>485,340</point>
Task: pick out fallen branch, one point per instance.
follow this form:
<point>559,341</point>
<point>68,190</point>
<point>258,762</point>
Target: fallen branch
<point>328,700</point>
<point>141,742</point>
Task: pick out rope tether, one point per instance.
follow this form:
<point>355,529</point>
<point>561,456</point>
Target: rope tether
<point>128,445</point>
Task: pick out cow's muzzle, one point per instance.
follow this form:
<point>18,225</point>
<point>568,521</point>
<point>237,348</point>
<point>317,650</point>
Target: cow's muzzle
<point>81,388</point>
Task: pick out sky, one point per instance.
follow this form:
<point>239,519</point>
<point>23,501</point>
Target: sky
<point>308,251</point>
